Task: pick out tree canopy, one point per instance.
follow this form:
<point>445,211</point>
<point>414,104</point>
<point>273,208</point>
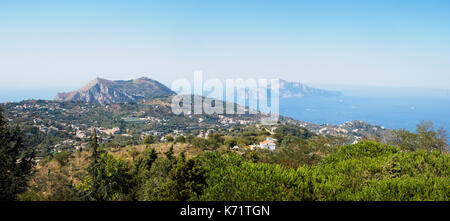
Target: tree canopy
<point>16,161</point>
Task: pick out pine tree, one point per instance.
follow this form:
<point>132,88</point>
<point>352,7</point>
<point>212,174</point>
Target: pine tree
<point>94,147</point>
<point>93,171</point>
<point>16,161</point>
<point>170,154</point>
<point>149,139</point>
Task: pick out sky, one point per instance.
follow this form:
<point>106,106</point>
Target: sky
<point>65,44</point>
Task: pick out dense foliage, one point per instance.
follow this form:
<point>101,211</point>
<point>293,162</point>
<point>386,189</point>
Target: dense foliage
<point>426,137</point>
<point>365,171</point>
<point>16,161</point>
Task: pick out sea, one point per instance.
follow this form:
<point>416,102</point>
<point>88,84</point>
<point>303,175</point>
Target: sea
<point>393,108</point>
<point>17,95</point>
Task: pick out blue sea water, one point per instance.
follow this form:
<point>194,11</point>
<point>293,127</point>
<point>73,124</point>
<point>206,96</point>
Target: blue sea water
<point>17,95</point>
<point>392,108</point>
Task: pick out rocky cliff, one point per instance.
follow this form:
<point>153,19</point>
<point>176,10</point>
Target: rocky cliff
<point>104,91</point>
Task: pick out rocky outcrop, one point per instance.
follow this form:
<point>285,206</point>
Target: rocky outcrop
<point>104,91</point>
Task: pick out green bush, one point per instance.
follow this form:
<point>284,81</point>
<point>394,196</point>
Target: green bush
<point>62,157</point>
<point>364,171</point>
<point>180,139</point>
<point>149,139</point>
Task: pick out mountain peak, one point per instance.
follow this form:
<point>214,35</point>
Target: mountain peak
<point>143,79</point>
<point>94,82</point>
<point>99,80</point>
<point>105,91</point>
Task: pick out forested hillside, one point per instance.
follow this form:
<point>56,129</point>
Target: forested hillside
<point>364,171</point>
<point>229,164</point>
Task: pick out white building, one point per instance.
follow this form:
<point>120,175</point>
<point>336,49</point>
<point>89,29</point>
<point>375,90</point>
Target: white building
<point>81,134</point>
<point>269,143</point>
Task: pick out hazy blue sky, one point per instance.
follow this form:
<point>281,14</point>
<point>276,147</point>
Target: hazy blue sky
<point>65,44</point>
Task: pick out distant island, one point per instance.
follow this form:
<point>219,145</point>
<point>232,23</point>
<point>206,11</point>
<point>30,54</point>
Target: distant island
<point>289,89</point>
